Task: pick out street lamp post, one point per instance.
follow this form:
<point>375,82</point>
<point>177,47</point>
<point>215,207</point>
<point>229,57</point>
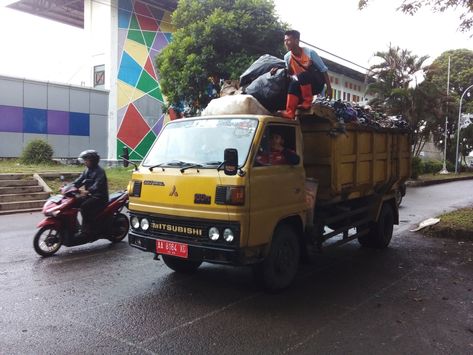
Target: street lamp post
<point>444,168</point>
<point>458,126</point>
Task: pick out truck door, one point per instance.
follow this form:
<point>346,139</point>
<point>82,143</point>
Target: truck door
<point>276,182</point>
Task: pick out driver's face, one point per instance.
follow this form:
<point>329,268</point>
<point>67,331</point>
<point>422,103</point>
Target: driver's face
<point>276,141</point>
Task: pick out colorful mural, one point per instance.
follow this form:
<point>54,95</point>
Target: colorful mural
<point>143,31</point>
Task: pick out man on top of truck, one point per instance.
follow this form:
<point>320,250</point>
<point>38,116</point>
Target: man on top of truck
<point>310,71</point>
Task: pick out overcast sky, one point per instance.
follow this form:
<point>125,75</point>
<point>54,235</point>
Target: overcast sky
<point>41,49</point>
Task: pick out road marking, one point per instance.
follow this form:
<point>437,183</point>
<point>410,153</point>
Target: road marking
<point>343,315</point>
<point>207,315</point>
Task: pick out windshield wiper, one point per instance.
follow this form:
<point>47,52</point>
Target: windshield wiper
<point>170,163</point>
<point>191,166</point>
<point>155,166</point>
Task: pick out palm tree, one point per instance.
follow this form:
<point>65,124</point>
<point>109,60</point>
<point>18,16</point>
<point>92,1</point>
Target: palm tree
<point>395,96</point>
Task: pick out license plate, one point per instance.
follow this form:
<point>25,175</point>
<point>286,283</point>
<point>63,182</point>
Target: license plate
<point>172,248</point>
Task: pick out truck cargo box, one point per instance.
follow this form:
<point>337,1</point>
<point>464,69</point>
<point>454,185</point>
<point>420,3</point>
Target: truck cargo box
<point>351,160</point>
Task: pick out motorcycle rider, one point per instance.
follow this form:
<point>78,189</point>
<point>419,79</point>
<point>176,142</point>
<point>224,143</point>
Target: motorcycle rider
<point>95,197</point>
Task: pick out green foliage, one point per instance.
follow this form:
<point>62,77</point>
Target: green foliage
<point>431,166</point>
<point>37,151</point>
<point>416,168</point>
<point>215,37</point>
<point>393,94</point>
<point>461,76</point>
<point>412,6</point>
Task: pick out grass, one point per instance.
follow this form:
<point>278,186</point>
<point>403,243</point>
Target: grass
<point>117,177</point>
<point>455,225</point>
<point>430,177</point>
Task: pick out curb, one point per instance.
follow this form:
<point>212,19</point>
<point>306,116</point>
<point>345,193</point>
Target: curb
<point>419,183</point>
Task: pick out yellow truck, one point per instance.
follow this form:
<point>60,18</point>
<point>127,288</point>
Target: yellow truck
<point>213,189</point>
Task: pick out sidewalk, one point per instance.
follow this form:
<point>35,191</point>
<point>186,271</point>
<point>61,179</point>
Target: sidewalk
<point>434,181</point>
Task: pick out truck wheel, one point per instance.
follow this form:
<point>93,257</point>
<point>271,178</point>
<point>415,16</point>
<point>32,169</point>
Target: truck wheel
<point>381,232</point>
<point>280,266</point>
<point>183,266</point>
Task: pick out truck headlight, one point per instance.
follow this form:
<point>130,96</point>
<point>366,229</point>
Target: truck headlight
<point>228,235</point>
<point>135,222</point>
<point>144,224</point>
<point>214,234</point>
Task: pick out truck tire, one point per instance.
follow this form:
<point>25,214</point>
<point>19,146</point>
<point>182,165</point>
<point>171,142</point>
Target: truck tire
<point>183,266</point>
<point>381,232</point>
<point>279,268</point>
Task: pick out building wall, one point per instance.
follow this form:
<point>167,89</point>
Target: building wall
<point>142,32</point>
<point>70,118</point>
<point>348,89</point>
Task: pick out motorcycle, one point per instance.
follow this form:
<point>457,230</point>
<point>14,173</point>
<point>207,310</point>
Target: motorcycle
<point>61,225</point>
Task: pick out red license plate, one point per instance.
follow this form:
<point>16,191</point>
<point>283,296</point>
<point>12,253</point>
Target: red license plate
<point>172,248</point>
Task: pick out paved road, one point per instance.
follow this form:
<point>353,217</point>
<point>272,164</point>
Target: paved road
<point>415,297</point>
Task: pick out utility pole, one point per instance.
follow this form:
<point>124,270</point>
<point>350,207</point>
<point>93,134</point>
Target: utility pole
<point>444,168</point>
<point>458,126</point>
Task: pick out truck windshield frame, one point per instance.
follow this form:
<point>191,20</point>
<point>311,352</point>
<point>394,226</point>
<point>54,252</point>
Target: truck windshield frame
<point>202,141</point>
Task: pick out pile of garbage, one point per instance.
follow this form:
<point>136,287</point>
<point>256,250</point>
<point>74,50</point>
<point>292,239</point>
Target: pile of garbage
<point>345,112</point>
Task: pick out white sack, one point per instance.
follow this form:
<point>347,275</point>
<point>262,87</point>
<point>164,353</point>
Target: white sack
<point>235,104</point>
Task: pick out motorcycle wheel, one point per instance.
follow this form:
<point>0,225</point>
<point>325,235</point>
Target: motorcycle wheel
<point>120,228</point>
<point>47,241</point>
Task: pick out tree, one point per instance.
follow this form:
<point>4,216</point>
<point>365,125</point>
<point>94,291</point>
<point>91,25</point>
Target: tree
<point>461,76</point>
<point>218,38</point>
<point>393,94</point>
<point>412,6</point>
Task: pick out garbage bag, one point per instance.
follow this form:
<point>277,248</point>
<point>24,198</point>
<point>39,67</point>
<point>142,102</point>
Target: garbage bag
<point>270,90</point>
<point>261,66</point>
<point>234,104</point>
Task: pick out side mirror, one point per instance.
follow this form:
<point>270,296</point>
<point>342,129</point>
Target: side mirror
<point>230,161</point>
<point>126,157</point>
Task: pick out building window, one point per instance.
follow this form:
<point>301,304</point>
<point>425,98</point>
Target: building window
<point>339,96</point>
<point>348,97</point>
<point>336,80</point>
<point>99,76</point>
<point>344,96</point>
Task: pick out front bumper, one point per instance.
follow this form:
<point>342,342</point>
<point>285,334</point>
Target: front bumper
<point>197,252</point>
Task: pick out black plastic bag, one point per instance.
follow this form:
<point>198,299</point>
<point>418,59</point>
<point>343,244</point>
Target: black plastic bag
<point>270,90</point>
<point>261,66</point>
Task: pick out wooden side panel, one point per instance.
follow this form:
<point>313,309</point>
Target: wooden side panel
<point>356,163</point>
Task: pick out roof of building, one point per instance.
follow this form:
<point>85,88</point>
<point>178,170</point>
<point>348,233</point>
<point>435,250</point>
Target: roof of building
<point>71,12</point>
<point>341,69</point>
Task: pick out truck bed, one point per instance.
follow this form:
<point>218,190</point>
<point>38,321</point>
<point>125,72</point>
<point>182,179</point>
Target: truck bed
<point>351,160</point>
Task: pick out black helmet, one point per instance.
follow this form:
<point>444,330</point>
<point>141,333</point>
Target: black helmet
<point>90,154</point>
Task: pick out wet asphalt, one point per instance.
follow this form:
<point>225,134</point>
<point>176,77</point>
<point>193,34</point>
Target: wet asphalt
<point>413,298</point>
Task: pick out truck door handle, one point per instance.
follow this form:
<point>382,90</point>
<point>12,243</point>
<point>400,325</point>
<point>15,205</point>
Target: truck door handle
<point>297,190</point>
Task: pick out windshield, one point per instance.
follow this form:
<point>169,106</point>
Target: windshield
<point>202,142</point>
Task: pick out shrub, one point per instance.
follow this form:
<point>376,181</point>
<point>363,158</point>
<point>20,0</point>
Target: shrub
<point>37,151</point>
<point>431,166</point>
<point>416,167</point>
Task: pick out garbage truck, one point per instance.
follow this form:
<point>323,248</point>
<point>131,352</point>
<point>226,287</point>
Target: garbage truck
<point>203,193</point>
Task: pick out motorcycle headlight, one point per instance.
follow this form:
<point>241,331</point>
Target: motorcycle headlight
<point>135,222</point>
<point>228,235</point>
<point>144,224</point>
<point>214,234</point>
